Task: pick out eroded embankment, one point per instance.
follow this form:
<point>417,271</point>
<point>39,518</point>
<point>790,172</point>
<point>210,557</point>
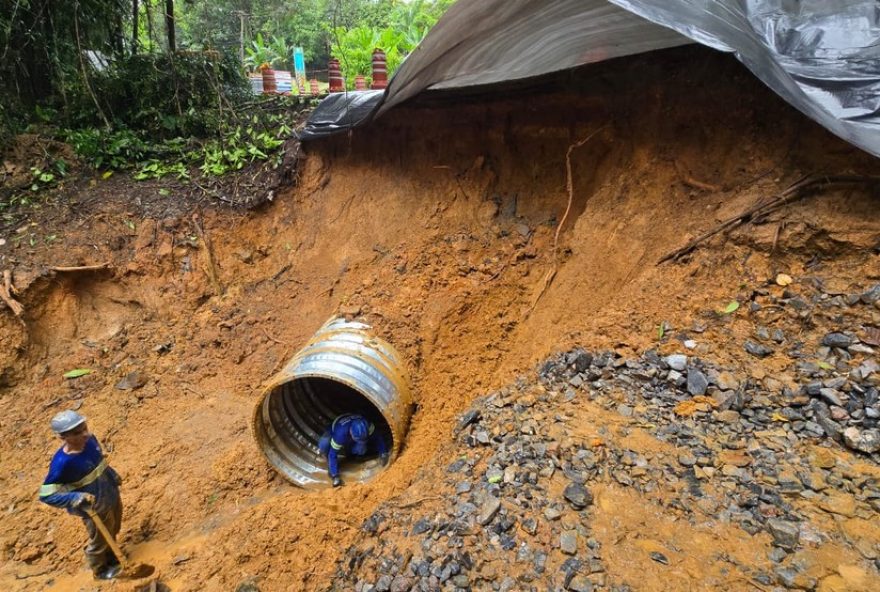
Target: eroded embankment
<point>437,226</point>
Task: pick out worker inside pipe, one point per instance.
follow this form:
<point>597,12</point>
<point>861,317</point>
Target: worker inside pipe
<point>350,435</point>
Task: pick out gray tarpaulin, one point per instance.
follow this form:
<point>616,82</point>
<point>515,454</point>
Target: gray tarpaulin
<point>822,56</point>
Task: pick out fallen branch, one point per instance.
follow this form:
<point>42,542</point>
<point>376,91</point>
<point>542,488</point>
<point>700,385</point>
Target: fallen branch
<point>6,291</point>
<point>569,186</point>
<point>81,268</point>
<point>792,193</point>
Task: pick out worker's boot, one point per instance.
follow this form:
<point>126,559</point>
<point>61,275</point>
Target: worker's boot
<point>109,572</point>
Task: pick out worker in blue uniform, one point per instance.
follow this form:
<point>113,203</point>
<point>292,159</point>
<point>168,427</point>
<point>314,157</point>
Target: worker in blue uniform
<point>80,479</point>
<point>350,435</point>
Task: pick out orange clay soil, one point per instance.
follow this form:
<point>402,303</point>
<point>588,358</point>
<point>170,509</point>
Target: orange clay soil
<point>436,225</point>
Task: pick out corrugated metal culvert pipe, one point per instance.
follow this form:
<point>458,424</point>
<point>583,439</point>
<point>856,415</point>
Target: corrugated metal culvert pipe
<point>344,368</point>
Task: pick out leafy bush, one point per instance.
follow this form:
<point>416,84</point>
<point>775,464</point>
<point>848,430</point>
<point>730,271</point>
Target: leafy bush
<point>107,150</point>
<point>166,94</point>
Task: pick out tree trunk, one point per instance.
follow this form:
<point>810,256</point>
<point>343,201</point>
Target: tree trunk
<point>148,4</point>
<point>169,24</point>
<point>135,10</point>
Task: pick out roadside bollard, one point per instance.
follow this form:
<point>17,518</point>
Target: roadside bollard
<point>360,83</point>
<point>337,84</point>
<point>313,87</point>
<point>380,70</point>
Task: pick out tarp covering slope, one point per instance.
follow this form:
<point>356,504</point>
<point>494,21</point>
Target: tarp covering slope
<point>821,56</point>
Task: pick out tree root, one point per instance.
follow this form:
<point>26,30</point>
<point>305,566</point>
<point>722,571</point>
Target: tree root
<point>569,186</point>
<point>6,292</point>
<point>793,192</point>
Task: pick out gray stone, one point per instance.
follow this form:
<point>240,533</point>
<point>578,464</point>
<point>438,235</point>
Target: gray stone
<point>832,428</point>
<point>831,396</point>
<point>422,526</point>
<point>580,583</point>
<point>697,383</point>
<point>568,542</point>
<point>552,513</point>
<point>625,410</point>
<point>868,367</point>
<point>725,381</point>
<point>132,381</point>
<point>756,349</point>
<point>729,416</point>
<point>777,554</point>
<point>677,362</point>
<point>401,584</point>
<point>582,361</point>
<point>686,459</point>
<point>837,340</point>
<point>790,577</point>
<point>724,399</point>
<point>785,534</point>
<point>488,511</point>
<point>472,416</point>
<point>872,296</point>
<point>867,441</point>
<point>383,584</point>
<point>578,496</point>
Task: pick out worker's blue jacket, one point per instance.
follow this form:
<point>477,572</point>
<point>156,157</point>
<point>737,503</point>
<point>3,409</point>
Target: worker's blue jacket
<point>337,441</point>
<point>72,475</point>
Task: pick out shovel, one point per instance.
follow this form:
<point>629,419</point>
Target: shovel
<point>111,542</point>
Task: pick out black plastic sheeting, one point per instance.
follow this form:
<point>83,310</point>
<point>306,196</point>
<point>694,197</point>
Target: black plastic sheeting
<point>340,112</point>
<point>822,56</point>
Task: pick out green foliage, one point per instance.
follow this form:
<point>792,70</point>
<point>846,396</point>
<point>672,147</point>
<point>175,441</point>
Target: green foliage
<point>244,143</point>
<point>168,95</point>
<point>277,53</point>
<point>157,169</point>
<point>236,143</point>
<point>107,150</point>
<point>405,27</point>
<point>40,42</point>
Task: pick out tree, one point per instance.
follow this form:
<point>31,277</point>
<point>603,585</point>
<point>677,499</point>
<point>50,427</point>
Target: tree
<point>169,24</point>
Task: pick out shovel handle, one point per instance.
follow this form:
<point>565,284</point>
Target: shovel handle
<point>108,538</point>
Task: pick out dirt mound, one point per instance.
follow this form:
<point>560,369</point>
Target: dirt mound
<point>438,226</point>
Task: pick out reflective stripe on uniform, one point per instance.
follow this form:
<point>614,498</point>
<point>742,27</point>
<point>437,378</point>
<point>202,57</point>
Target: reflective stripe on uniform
<point>343,417</point>
<point>48,489</point>
<point>335,445</point>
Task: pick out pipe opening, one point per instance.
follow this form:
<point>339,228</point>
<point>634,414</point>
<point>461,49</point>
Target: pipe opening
<point>343,369</point>
<point>315,402</point>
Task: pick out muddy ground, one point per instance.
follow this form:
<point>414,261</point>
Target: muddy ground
<point>437,226</point>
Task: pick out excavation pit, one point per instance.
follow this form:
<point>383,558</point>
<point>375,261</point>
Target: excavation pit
<point>344,368</point>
